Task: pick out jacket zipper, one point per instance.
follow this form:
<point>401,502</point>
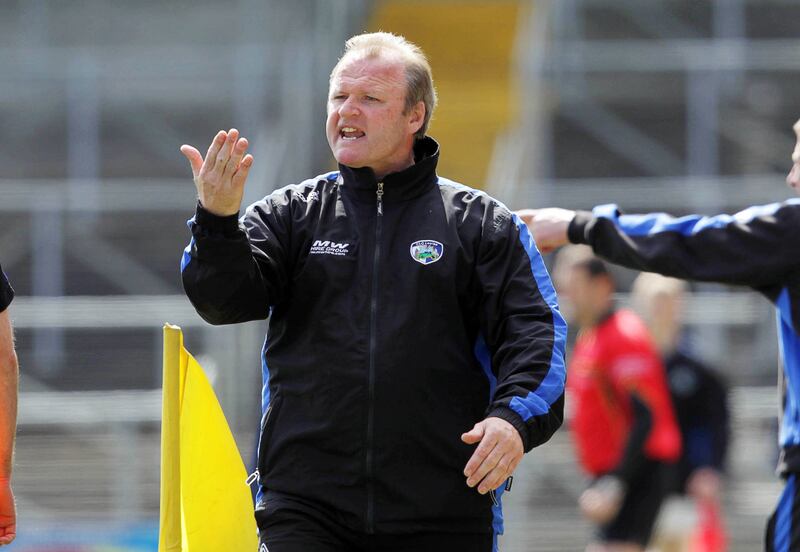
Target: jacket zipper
<point>256,475</point>
<point>372,347</point>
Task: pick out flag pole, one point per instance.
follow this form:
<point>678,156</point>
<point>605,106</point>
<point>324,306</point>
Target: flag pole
<point>170,518</point>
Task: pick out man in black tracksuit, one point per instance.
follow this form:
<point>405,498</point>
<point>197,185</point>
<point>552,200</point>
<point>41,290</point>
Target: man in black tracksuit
<point>758,247</point>
<point>411,318</point>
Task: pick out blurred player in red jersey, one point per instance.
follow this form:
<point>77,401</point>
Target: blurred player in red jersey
<point>623,423</point>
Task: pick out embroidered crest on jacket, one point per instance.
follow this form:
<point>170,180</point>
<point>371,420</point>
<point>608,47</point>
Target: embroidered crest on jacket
<point>426,252</point>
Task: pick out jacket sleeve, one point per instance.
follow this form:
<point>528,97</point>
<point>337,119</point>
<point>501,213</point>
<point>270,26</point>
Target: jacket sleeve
<point>755,247</point>
<point>235,270</point>
<point>523,330</point>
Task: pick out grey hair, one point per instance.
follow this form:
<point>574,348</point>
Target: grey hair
<point>419,77</point>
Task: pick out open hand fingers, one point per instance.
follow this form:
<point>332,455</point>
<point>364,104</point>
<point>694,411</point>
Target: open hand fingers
<point>225,152</point>
<point>235,159</point>
<point>194,157</point>
<point>495,469</point>
<point>502,471</point>
<point>220,178</point>
<point>487,466</point>
<point>244,169</point>
<point>478,458</point>
<point>487,463</point>
<point>213,150</point>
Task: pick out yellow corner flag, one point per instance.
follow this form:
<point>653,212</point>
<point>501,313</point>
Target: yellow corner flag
<point>205,504</point>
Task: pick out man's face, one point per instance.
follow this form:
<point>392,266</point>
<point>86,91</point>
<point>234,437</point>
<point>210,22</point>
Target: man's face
<point>366,125</point>
<point>793,179</point>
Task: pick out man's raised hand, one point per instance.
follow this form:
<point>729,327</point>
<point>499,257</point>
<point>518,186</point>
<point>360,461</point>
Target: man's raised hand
<point>220,177</point>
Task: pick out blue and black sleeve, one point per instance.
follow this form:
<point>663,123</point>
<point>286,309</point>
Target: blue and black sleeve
<point>233,270</point>
<point>756,247</point>
<point>523,330</point>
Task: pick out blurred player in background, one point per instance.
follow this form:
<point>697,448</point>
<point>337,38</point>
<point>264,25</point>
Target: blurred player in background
<point>415,347</point>
<point>622,419</point>
<point>9,377</point>
<point>701,407</point>
<point>758,247</point>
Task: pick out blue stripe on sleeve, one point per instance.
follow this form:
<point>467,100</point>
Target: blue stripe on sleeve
<point>484,358</point>
<point>538,402</point>
<point>783,517</point>
<point>655,223</point>
<point>498,522</point>
<point>265,400</point>
<point>784,306</point>
<point>187,253</point>
<point>789,348</point>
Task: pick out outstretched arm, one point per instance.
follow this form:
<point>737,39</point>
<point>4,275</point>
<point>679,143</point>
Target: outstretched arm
<point>755,247</point>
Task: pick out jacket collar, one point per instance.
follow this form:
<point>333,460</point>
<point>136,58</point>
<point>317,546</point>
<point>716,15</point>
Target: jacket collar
<point>400,186</point>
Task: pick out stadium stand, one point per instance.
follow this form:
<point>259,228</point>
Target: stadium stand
<point>474,77</point>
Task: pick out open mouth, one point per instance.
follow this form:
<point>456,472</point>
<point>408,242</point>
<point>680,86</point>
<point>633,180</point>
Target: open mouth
<point>350,133</point>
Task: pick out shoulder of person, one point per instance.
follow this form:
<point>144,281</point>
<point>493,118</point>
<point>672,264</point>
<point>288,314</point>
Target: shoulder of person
<point>303,194</point>
<point>483,206</point>
<point>307,191</point>
<point>455,191</point>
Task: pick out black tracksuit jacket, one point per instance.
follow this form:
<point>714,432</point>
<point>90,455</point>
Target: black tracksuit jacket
<point>401,313</point>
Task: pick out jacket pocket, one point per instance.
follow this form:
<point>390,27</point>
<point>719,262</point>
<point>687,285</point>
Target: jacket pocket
<point>267,425</point>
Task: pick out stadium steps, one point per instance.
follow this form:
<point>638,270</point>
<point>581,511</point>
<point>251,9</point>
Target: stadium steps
<point>470,47</point>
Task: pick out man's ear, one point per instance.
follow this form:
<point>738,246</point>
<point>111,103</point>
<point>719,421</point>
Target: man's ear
<point>417,117</point>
